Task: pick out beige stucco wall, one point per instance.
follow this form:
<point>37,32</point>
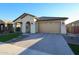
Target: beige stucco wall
<point>36,27</point>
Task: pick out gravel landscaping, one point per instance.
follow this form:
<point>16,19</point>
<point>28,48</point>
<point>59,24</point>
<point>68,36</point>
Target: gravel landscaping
<point>72,39</point>
<point>73,42</point>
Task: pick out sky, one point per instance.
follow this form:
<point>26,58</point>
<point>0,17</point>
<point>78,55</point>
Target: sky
<point>10,11</point>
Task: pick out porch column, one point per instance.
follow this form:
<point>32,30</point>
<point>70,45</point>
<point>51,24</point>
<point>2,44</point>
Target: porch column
<point>14,27</point>
<point>33,27</point>
<point>63,27</point>
<point>23,27</point>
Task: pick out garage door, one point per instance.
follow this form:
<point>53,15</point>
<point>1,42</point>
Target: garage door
<point>49,27</point>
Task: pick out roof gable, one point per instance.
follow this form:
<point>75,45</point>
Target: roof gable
<point>23,15</point>
<point>77,21</point>
<point>1,22</point>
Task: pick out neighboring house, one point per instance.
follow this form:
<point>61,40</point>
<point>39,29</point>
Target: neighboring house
<point>28,23</point>
<point>6,26</point>
<point>73,27</point>
<point>2,26</point>
<point>9,26</point>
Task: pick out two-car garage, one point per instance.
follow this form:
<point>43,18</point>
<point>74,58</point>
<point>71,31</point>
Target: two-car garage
<point>49,27</point>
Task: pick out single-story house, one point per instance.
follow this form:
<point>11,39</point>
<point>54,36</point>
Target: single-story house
<point>73,27</point>
<point>31,24</point>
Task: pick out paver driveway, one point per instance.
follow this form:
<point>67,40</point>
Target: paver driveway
<point>38,44</point>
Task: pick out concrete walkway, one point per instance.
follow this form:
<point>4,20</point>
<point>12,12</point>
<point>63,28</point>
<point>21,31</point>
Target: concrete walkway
<point>37,44</point>
<point>8,49</point>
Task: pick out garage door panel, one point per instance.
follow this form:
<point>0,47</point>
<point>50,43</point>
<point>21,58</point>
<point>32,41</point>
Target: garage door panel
<point>49,27</point>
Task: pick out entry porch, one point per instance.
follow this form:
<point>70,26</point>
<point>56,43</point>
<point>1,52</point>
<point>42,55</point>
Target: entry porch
<point>25,27</point>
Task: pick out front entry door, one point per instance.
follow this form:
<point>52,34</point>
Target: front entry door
<point>28,27</point>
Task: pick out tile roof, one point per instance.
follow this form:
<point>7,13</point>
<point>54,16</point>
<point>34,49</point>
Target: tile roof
<point>41,18</point>
<point>52,18</point>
